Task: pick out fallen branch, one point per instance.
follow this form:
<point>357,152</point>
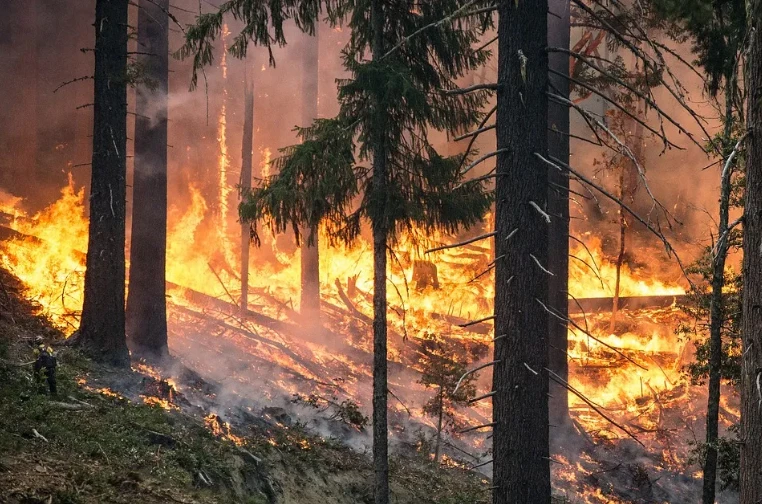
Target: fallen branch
<point>553,376</point>
<point>357,313</point>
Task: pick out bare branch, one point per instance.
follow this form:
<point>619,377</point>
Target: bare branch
<point>460,244</point>
<point>472,371</point>
<point>491,86</point>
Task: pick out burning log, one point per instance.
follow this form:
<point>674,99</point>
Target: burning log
<point>253,336</point>
<point>592,305</point>
<point>353,310</point>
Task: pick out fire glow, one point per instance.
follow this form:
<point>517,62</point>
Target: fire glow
<point>633,373</point>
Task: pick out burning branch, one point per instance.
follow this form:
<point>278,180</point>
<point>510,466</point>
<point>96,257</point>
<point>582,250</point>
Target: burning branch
<point>553,376</point>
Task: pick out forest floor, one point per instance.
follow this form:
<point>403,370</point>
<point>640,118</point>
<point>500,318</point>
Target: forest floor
<point>95,444</point>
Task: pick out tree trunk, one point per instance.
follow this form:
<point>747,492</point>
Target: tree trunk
<point>146,300</point>
<point>310,295</point>
<point>247,151</point>
<point>558,207</point>
<point>717,311</point>
<point>620,256</point>
<point>520,378</point>
<point>438,444</point>
<point>380,231</point>
<point>102,325</point>
<point>751,407</point>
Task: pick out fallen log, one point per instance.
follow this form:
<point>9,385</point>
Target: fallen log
<point>606,305</point>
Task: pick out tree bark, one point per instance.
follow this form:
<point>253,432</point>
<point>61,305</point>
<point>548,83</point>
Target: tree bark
<point>380,232</point>
<point>247,152</point>
<point>102,326</point>
<point>717,312</point>
<point>559,33</point>
<point>146,300</point>
<point>520,379</point>
<point>310,293</point>
<point>751,381</point>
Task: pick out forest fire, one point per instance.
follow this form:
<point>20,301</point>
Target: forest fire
<point>498,269</point>
<point>633,373</point>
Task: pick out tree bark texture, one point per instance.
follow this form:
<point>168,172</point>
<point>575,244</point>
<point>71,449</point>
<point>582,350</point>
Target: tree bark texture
<point>520,377</point>
<point>146,300</point>
<point>717,315</point>
<point>380,233</point>
<point>310,293</point>
<point>101,330</point>
<point>247,152</point>
<point>558,207</point>
<point>751,380</point>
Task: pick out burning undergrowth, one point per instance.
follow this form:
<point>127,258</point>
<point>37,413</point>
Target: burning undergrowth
<point>635,418</point>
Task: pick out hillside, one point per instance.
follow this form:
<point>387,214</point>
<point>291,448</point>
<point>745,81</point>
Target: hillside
<point>99,441</point>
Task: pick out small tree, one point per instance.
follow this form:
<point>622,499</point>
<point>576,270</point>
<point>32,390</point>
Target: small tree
<point>442,369</point>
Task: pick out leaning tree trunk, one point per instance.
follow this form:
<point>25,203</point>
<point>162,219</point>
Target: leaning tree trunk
<point>717,310</point>
<point>101,330</point>
<point>380,232</point>
<point>310,295</point>
<point>751,407</point>
<point>146,301</point>
<point>520,375</point>
<point>247,151</point>
<point>559,34</point>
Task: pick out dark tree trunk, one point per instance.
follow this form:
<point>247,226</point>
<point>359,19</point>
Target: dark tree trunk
<point>146,301</point>
<point>751,408</point>
<point>380,232</point>
<point>558,207</point>
<point>310,295</point>
<point>247,151</point>
<point>102,326</point>
<point>620,256</point>
<point>717,312</point>
<point>520,377</point>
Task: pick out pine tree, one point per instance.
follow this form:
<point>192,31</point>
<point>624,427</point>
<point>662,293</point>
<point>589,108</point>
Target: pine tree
<point>751,409</point>
<point>443,365</point>
<point>387,109</point>
<point>101,330</point>
<point>146,315</point>
<point>520,378</point>
<point>717,29</point>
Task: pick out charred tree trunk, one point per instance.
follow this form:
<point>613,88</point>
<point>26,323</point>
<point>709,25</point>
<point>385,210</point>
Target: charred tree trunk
<point>620,256</point>
<point>310,294</point>
<point>101,330</point>
<point>628,187</point>
<point>247,152</point>
<point>717,308</point>
<point>520,377</point>
<point>146,300</point>
<point>751,408</point>
<point>380,234</point>
<point>558,207</point>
